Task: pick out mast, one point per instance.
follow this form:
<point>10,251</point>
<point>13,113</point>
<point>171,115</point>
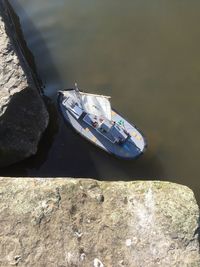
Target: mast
<point>78,93</point>
<point>76,87</point>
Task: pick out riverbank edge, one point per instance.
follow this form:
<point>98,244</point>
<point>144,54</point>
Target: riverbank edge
<point>24,96</point>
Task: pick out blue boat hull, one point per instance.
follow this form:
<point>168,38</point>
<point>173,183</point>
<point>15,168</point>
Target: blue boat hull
<point>132,148</point>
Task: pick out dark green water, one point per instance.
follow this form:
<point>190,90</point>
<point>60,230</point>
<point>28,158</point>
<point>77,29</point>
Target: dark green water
<point>143,53</point>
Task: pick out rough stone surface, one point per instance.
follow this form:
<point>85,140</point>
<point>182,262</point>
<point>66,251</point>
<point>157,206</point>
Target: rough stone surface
<point>77,222</point>
<point>23,116</point>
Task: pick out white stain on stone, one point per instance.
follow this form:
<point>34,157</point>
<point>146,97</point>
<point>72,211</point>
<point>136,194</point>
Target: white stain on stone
<point>98,263</point>
<point>44,204</point>
<point>145,211</point>
<point>128,242</point>
<point>82,256</point>
<point>149,199</point>
<point>78,234</point>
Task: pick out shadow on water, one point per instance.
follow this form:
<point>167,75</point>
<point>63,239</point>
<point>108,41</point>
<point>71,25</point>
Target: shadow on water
<point>45,56</point>
<point>61,151</point>
<point>146,167</point>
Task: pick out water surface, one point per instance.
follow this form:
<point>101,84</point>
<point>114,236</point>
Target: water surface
<point>143,53</point>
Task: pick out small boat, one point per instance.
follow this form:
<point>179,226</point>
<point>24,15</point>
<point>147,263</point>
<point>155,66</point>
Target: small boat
<point>92,117</point>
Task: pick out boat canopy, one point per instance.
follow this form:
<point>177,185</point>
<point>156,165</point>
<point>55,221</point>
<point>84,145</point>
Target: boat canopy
<point>96,104</point>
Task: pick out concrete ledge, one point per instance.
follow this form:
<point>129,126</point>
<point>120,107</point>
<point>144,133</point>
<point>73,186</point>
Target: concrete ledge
<point>81,222</point>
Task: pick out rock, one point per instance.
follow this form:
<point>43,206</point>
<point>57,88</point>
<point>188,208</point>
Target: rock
<point>23,116</point>
<point>77,222</point>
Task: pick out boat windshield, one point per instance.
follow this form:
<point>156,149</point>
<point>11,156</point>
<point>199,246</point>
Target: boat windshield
<point>96,105</point>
